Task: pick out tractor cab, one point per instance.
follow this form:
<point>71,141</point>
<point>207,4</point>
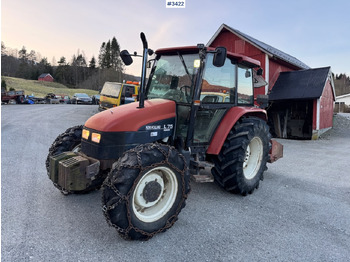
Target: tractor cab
<point>204,83</point>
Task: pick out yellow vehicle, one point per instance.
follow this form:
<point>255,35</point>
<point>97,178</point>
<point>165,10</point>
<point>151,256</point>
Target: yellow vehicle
<point>215,97</point>
<point>115,94</point>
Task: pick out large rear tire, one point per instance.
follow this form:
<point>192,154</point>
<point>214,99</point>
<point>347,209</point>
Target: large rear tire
<point>145,191</point>
<point>242,160</point>
<point>71,141</point>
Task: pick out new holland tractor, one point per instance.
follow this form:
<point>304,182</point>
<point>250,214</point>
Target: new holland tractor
<point>195,112</point>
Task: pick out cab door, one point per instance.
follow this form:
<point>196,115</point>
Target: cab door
<point>218,93</point>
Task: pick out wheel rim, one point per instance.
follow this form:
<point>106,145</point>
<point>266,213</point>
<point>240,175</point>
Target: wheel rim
<point>253,158</point>
<point>154,194</point>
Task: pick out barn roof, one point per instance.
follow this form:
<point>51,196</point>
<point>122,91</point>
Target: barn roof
<point>303,84</point>
<point>44,75</point>
<point>271,51</point>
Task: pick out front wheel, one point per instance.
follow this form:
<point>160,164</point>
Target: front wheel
<point>70,140</point>
<point>145,191</point>
<point>242,160</point>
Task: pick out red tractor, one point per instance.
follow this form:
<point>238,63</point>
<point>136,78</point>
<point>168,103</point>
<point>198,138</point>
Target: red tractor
<point>196,111</point>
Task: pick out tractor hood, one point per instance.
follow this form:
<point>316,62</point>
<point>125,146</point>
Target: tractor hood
<point>130,117</point>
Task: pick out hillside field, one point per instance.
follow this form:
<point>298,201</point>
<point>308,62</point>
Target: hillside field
<point>41,88</point>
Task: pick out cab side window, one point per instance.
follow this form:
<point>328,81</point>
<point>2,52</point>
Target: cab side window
<point>218,89</point>
<point>245,86</point>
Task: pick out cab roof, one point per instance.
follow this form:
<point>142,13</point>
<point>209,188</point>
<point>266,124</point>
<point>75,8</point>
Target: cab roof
<point>241,59</point>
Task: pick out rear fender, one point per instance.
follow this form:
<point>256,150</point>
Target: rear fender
<point>227,123</point>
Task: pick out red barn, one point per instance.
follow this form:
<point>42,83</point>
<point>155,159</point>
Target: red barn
<point>45,77</point>
<point>291,114</point>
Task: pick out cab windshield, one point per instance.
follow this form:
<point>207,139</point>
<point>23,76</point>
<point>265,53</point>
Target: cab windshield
<point>174,77</point>
<point>111,89</point>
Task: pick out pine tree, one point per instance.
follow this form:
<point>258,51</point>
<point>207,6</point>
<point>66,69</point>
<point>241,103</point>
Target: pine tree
<point>102,55</point>
<point>92,63</point>
<point>61,71</point>
<point>115,54</point>
<point>62,61</point>
<point>107,58</point>
<point>3,49</point>
<point>23,54</point>
<point>24,69</point>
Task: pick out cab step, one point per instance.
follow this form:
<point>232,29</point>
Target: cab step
<point>202,174</point>
<point>207,178</point>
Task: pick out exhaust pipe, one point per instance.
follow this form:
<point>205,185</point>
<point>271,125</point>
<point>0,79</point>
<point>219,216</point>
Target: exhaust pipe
<point>143,73</point>
<point>127,59</point>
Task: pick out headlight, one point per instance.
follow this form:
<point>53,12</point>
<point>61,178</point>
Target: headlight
<point>95,137</point>
<point>86,134</point>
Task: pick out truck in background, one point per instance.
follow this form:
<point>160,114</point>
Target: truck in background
<point>115,94</point>
<point>12,97</point>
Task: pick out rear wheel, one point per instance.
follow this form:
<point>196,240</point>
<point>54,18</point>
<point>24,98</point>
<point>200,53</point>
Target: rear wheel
<point>145,191</point>
<point>242,160</point>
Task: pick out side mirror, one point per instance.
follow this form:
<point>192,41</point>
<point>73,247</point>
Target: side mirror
<point>126,57</point>
<point>219,56</point>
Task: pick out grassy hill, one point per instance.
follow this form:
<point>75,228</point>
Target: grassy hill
<point>41,88</point>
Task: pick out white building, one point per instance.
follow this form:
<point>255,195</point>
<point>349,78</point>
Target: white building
<point>343,98</point>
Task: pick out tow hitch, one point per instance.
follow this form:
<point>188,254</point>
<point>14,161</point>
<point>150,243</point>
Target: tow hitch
<point>276,151</point>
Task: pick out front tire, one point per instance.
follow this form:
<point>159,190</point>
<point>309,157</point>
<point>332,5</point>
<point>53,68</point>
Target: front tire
<point>242,160</point>
<point>70,140</point>
<point>145,191</point>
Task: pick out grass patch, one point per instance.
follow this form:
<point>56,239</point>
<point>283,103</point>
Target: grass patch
<point>42,88</point>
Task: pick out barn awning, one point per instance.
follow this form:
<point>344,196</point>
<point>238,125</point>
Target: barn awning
<point>304,84</point>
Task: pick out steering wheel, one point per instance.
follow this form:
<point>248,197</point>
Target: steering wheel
<point>174,94</point>
<point>187,94</point>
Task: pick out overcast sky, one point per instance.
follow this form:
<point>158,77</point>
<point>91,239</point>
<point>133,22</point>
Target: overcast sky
<point>314,31</point>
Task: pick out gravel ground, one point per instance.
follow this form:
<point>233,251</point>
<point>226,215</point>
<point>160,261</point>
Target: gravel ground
<point>341,126</point>
<point>301,212</point>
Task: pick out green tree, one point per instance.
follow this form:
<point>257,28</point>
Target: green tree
<point>62,61</point>
<point>23,54</point>
<point>31,57</point>
<point>44,66</point>
<point>115,55</point>
<point>92,63</point>
<point>109,55</point>
<point>80,68</point>
<point>24,69</point>
<point>61,72</point>
<point>3,49</point>
<point>107,61</point>
<point>101,54</point>
<point>3,85</point>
